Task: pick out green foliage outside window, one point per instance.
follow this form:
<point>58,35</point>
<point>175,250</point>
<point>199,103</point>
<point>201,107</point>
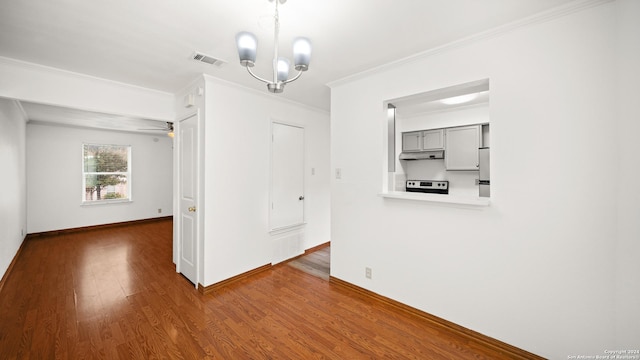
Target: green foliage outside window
<point>106,167</point>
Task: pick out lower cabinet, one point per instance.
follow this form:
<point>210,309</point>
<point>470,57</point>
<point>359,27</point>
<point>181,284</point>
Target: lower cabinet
<point>461,147</point>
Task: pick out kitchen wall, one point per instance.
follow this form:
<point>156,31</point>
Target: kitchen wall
<point>13,205</point>
<point>237,135</point>
<point>54,182</point>
<point>540,267</point>
<point>461,183</point>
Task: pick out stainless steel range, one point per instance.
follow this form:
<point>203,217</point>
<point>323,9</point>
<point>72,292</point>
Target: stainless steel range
<point>428,186</point>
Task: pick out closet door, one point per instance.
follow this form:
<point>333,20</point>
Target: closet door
<point>287,176</point>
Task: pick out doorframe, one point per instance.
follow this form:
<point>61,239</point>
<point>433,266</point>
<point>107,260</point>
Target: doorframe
<point>177,210</point>
<point>273,121</point>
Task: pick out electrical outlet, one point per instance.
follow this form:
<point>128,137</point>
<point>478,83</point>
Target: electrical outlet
<point>367,272</point>
<point>313,171</point>
<point>159,211</point>
<point>338,173</point>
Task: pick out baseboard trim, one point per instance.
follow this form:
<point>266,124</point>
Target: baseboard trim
<point>316,248</point>
<point>96,227</point>
<point>11,265</point>
<point>219,285</point>
<point>508,350</point>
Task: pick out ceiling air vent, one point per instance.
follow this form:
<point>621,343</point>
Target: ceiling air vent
<point>198,56</point>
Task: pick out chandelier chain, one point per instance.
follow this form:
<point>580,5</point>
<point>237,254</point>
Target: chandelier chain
<point>276,42</point>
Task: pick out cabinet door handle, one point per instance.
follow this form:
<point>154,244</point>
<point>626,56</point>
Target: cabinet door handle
<point>301,198</point>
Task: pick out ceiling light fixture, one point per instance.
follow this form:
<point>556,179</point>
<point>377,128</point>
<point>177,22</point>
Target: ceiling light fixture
<point>170,133</point>
<point>247,47</point>
<point>459,99</point>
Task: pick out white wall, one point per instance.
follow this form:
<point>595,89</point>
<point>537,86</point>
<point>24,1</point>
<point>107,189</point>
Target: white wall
<point>628,245</point>
<point>13,202</point>
<point>537,268</point>
<point>237,170</point>
<point>54,178</point>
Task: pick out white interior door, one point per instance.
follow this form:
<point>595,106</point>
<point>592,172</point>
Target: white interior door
<point>287,182</point>
<point>188,193</point>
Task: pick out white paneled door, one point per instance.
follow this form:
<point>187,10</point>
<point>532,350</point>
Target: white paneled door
<point>188,192</point>
<point>287,171</point>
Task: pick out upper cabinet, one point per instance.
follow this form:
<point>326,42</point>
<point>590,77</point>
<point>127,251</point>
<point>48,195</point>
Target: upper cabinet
<point>423,140</point>
<point>433,139</point>
<point>462,143</point>
<point>412,141</point>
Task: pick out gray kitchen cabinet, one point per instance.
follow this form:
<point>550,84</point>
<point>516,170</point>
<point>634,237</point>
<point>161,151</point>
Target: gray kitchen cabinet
<point>461,148</point>
<point>412,141</point>
<point>433,139</point>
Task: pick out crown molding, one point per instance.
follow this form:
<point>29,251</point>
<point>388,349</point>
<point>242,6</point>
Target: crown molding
<point>541,17</point>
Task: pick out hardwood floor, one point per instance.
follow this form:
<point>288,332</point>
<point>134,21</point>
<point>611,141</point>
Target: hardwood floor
<point>316,263</point>
<point>114,294</point>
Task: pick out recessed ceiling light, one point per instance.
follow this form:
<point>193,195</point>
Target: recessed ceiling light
<point>459,99</point>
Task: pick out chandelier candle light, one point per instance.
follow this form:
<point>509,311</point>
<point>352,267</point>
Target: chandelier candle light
<point>247,47</point>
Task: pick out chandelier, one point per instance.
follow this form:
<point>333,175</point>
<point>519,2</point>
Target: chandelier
<point>247,47</point>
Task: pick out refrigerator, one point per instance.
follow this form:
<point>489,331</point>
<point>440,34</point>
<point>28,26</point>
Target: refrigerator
<point>485,173</point>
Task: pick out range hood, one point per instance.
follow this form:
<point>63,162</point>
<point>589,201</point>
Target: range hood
<point>422,155</point>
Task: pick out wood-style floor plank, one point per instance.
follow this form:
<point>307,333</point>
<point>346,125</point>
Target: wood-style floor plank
<point>316,263</point>
<point>113,294</point>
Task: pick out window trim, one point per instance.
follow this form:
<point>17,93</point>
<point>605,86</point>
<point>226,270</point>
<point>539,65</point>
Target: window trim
<point>128,199</point>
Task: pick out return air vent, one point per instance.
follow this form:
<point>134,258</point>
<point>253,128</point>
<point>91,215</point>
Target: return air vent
<point>198,56</point>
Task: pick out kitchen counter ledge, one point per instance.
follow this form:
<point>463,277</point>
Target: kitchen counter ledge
<point>439,198</point>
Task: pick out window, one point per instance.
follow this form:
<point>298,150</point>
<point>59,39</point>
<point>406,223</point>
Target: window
<point>106,173</point>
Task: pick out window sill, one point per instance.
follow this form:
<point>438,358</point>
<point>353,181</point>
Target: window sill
<point>437,198</point>
<point>106,202</point>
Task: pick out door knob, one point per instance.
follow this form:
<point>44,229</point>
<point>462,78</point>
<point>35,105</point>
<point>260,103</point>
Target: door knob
<point>192,209</point>
<point>301,198</point>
